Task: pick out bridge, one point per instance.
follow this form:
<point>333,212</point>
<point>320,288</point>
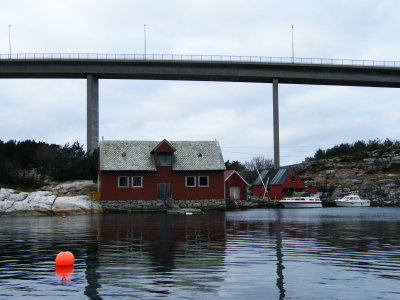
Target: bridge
<point>257,69</point>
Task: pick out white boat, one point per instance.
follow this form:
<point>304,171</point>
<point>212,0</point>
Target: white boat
<point>301,202</point>
<point>352,200</point>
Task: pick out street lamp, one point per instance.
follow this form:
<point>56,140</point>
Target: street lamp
<point>144,31</point>
<point>9,38</point>
<point>292,45</point>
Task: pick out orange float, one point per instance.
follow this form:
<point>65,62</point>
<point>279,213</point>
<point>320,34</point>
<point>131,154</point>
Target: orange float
<point>64,271</point>
<point>65,258</point>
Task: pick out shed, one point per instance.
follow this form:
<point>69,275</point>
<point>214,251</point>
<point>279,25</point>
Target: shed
<point>280,183</point>
<point>235,186</point>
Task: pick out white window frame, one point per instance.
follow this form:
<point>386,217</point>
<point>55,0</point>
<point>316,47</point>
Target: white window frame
<point>123,187</point>
<point>141,182</point>
<point>208,181</point>
<point>190,186</point>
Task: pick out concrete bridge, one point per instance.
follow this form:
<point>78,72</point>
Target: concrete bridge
<point>93,67</point>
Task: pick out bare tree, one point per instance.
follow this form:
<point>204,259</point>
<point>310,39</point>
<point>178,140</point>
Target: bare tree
<point>258,163</point>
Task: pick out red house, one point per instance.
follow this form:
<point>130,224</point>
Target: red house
<point>151,170</point>
<point>280,183</point>
<point>235,186</point>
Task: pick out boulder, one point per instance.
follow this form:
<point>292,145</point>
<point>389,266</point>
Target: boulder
<point>40,201</point>
<point>75,204</point>
<point>78,187</point>
<point>45,202</point>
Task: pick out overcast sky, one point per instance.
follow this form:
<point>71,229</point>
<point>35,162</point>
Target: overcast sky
<point>238,115</point>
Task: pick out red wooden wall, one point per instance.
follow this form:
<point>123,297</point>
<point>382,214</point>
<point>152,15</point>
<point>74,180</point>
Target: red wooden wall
<point>109,189</point>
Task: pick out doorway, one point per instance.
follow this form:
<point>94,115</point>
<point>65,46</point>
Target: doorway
<point>234,192</point>
<point>163,190</point>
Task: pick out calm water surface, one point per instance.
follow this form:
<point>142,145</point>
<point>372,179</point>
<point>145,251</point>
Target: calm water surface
<point>327,253</point>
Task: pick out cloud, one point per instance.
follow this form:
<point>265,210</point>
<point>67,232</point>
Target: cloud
<point>239,115</point>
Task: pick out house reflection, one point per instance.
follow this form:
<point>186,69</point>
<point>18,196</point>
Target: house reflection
<point>142,247</point>
<point>157,253</point>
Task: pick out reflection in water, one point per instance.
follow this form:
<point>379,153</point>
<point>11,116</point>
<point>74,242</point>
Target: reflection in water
<point>258,254</point>
<point>159,253</point>
<point>64,271</point>
<point>321,250</point>
<point>279,254</point>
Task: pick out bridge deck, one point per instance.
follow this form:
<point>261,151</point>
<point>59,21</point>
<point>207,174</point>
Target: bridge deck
<point>204,68</point>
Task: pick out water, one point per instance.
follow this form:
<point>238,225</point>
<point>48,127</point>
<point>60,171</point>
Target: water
<point>327,253</point>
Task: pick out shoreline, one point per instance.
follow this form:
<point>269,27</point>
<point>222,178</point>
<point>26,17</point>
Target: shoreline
<point>72,198</point>
<point>46,203</point>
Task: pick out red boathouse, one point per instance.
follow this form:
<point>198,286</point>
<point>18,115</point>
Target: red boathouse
<point>151,170</point>
<point>280,183</point>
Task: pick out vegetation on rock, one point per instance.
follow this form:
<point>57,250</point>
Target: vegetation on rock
<point>29,164</point>
<point>357,150</point>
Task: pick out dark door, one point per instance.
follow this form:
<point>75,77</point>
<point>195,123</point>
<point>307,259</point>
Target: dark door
<point>164,190</point>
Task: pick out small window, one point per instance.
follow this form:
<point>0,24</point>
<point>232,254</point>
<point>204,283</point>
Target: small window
<point>164,159</point>
<point>293,178</point>
<point>190,181</point>
<point>137,181</point>
<point>203,181</point>
<point>123,181</point>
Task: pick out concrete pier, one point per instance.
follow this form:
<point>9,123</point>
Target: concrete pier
<point>92,113</point>
<point>276,123</point>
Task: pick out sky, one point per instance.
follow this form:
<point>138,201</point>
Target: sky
<point>238,115</point>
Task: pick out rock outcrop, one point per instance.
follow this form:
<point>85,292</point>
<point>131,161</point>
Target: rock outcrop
<point>375,177</point>
<point>13,202</point>
<point>79,187</point>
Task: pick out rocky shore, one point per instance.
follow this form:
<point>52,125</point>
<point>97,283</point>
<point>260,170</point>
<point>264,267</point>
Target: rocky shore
<point>57,199</point>
<point>376,177</point>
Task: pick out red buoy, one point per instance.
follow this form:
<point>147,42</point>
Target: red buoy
<point>64,271</point>
<point>65,258</point>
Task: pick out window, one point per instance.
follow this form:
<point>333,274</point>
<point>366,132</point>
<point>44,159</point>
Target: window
<point>123,181</point>
<point>190,181</point>
<point>137,181</point>
<point>293,178</point>
<point>203,181</point>
<point>164,159</point>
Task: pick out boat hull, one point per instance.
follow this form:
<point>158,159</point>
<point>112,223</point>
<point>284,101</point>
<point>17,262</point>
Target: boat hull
<point>352,203</point>
<point>306,204</point>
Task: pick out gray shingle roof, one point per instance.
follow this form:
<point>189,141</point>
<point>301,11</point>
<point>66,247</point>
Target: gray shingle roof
<point>136,156</point>
<point>273,176</point>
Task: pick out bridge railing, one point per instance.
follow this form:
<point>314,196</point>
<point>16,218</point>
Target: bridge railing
<point>213,58</point>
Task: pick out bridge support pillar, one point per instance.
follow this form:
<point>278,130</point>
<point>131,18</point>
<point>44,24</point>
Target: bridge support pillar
<point>276,122</point>
<point>92,113</point>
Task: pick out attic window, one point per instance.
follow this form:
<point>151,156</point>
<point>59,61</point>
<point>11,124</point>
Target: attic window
<point>164,159</point>
<point>199,154</point>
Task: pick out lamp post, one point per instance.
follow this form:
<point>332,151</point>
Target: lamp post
<point>292,45</point>
<point>9,38</point>
<point>144,31</point>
